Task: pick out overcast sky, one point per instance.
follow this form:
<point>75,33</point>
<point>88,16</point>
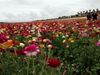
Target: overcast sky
<point>29,10</point>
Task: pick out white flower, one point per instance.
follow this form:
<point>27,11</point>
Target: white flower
<point>50,46</point>
<point>7,37</point>
<point>67,35</point>
<point>32,30</point>
<point>34,53</point>
<point>28,54</point>
<point>63,37</point>
<point>22,44</point>
<point>34,38</point>
<point>38,34</point>
<point>1,31</point>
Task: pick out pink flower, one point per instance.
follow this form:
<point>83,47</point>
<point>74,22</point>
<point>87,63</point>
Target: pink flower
<point>25,33</point>
<point>98,43</point>
<point>31,50</point>
<point>85,35</point>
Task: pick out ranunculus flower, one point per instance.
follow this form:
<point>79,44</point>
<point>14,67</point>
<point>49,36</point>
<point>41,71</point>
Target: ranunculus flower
<point>2,50</point>
<point>47,41</point>
<point>90,23</point>
<point>50,46</point>
<point>3,38</point>
<point>70,40</point>
<point>16,43</point>
<point>40,39</point>
<point>42,46</point>
<point>85,35</point>
<point>53,62</point>
<point>8,44</point>
<point>64,41</point>
<point>31,50</point>
<point>98,43</point>
<point>22,44</point>
<point>34,38</point>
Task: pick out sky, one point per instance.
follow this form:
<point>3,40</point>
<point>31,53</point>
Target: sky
<point>29,10</point>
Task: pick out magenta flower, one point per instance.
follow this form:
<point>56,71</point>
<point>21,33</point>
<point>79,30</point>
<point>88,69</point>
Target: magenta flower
<point>31,50</point>
<point>98,43</point>
<point>3,38</point>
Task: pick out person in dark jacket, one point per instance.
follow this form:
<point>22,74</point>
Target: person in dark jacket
<point>89,16</point>
<point>94,15</point>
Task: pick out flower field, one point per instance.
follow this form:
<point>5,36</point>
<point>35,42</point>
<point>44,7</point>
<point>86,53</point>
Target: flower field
<point>53,47</point>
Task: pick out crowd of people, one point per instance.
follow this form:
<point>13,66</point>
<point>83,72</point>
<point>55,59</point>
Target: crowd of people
<point>90,14</point>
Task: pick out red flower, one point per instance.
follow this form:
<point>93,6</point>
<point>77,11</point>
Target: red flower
<point>53,62</point>
<point>20,52</point>
<point>16,43</point>
<point>90,23</point>
<point>40,39</point>
<point>2,50</point>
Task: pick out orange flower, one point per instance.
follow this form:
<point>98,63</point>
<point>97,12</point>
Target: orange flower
<point>70,39</point>
<point>8,44</point>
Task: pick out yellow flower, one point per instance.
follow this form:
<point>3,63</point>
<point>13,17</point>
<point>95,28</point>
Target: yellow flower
<point>60,32</point>
<point>1,46</point>
<point>42,46</point>
<point>63,41</point>
<point>97,30</point>
<point>34,38</point>
<point>72,41</point>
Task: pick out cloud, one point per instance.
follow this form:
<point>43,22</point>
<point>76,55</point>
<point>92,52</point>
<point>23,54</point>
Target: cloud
<point>29,10</point>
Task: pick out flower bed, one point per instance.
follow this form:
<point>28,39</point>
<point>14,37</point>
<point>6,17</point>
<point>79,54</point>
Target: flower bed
<point>56,47</point>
